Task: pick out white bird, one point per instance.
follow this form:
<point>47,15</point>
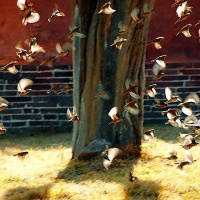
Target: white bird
<point>22,86</point>
<point>106,9</point>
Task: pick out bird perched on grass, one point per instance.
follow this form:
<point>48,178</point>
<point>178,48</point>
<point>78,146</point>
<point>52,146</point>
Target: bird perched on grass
<point>22,86</point>
<point>132,178</point>
<point>21,155</point>
<point>56,13</point>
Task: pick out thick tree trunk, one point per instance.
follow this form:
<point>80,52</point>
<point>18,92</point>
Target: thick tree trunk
<point>95,62</point>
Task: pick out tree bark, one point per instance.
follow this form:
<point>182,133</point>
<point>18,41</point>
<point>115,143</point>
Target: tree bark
<point>96,63</point>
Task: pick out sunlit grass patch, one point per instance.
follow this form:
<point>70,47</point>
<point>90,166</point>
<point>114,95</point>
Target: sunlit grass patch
<point>48,173</point>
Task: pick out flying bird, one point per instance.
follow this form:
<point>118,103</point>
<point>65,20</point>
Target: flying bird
<point>65,89</point>
<point>72,117</point>
<point>132,107</point>
<point>192,98</point>
<point>49,61</point>
<point>172,153</point>
<point>24,6</point>
<point>110,156</point>
<point>56,13</point>
<point>35,47</point>
<point>62,52</point>
<point>158,71</point>
<point>104,95</point>
<point>160,104</point>
<point>122,28</point>
<point>22,53</point>
<point>75,31</point>
<point>10,67</point>
<point>137,17</point>
<point>185,30</point>
<point>55,89</point>
<point>2,129</point>
<point>131,89</point>
<point>22,86</point>
<point>118,42</point>
<point>188,161</point>
<point>31,17</point>
<point>3,103</point>
<point>188,140</point>
<point>106,9</point>
<point>171,98</point>
<point>114,117</point>
<point>150,90</point>
<point>177,3</point>
<point>149,135</point>
<point>156,42</point>
<point>171,113</point>
<point>160,60</point>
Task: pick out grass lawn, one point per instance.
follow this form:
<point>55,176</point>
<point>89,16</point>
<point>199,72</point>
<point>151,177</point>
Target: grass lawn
<point>47,172</point>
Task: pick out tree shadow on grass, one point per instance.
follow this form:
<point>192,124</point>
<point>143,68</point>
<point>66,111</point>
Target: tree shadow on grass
<point>93,170</point>
<point>34,193</point>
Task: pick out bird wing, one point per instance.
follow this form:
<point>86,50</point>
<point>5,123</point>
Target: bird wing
<point>168,93</point>
<point>113,113</point>
<point>23,83</point>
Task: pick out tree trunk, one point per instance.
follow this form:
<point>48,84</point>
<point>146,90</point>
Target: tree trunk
<point>96,63</point>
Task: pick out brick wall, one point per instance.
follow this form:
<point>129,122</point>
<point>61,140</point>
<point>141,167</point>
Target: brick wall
<point>41,112</point>
<point>182,78</point>
<point>37,111</point>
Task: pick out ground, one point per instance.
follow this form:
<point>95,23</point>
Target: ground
<point>48,173</point>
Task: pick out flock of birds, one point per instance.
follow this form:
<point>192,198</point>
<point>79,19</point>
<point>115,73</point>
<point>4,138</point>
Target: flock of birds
<point>30,15</point>
<point>110,154</point>
<point>173,114</point>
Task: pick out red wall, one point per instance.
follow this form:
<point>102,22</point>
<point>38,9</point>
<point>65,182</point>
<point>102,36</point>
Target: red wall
<point>47,34</point>
<point>177,48</point>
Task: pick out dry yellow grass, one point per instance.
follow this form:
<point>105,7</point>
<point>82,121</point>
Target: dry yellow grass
<point>47,172</point>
